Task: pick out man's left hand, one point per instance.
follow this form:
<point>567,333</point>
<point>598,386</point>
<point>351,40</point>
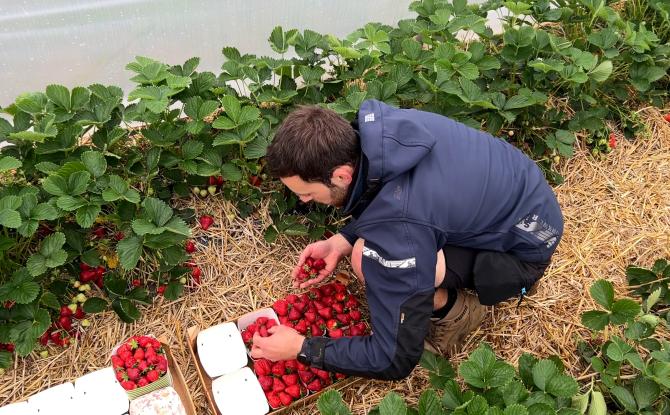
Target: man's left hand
<point>284,343</point>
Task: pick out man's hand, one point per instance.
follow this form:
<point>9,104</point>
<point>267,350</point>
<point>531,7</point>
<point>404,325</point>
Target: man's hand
<point>332,250</point>
<point>284,343</point>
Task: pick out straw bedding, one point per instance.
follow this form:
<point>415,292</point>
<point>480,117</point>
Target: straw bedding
<point>617,211</point>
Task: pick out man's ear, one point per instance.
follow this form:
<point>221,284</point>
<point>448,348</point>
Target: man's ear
<point>342,175</point>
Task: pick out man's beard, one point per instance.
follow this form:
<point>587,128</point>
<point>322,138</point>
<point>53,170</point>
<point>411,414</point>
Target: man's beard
<point>338,196</point>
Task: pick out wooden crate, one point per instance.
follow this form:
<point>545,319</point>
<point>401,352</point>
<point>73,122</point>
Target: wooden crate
<point>206,381</point>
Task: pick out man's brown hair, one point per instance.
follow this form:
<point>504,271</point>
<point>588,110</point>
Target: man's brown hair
<point>310,143</point>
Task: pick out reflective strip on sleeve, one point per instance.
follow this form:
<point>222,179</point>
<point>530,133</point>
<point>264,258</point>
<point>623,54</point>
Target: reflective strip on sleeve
<point>398,263</point>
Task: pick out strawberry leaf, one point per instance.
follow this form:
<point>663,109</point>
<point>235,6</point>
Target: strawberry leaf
<point>331,403</point>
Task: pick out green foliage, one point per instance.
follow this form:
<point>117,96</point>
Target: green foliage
<point>631,373</point>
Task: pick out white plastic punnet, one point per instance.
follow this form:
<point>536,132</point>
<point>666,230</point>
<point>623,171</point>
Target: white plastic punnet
<point>100,393</point>
<point>240,393</point>
<point>19,408</point>
<point>58,400</point>
<point>221,349</point>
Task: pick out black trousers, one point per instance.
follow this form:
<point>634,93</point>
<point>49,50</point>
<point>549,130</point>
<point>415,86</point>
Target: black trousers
<point>495,276</point>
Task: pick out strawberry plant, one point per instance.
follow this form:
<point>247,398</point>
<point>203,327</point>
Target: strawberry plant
<point>630,366</point>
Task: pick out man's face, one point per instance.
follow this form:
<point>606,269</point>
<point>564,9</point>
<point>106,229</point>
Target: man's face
<point>318,192</point>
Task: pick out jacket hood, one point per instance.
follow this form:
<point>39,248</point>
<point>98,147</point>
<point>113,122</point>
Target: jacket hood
<point>391,140</point>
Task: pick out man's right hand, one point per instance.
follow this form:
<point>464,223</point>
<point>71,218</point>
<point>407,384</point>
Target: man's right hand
<point>332,250</point>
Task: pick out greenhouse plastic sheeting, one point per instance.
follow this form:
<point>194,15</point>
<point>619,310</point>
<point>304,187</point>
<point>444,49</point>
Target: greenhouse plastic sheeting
<point>80,42</point>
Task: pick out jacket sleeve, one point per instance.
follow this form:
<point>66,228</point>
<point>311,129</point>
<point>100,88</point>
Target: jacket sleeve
<point>349,233</point>
<point>399,269</point>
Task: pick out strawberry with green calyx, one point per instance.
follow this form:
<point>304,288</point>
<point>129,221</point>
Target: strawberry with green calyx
<point>281,307</point>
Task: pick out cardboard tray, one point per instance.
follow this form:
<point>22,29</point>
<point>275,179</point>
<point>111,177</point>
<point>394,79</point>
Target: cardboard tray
<point>178,382</point>
<point>206,381</point>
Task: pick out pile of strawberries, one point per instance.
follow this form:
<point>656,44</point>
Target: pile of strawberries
<point>311,268</point>
<point>280,381</point>
<point>261,325</point>
<point>139,361</point>
<point>327,310</point>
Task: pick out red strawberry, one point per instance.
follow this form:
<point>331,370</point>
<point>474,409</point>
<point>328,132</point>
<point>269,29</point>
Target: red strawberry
<point>139,354</point>
<point>279,368</point>
<point>84,266</point>
<point>266,383</point>
<point>119,236</point>
<point>87,275</point>
<point>294,314</point>
<point>285,398</point>
<point>293,391</point>
<point>262,320</point>
<point>189,247</point>
<point>301,327</point>
<point>612,141</point>
<point>136,283</point>
<point>273,400</point>
<point>338,308</point>
<point>263,331</point>
<point>117,362</point>
<point>340,376</point>
<point>283,320</point>
<point>79,314</point>
<point>271,323</point>
<point>305,376</point>
<point>212,181</point>
<point>335,333</point>
<point>65,322</point>
<point>133,373</point>
<point>196,273</point>
<point>322,374</point>
<point>142,382</point>
<point>161,289</point>
<point>314,385</point>
<point>121,376</point>
<point>65,311</point>
<point>262,367</point>
<point>355,315</point>
<point>291,379</point>
<point>128,385</point>
<point>291,298</point>
<point>319,264</point>
<point>255,181</point>
<point>252,328</point>
<point>310,316</point>
<point>667,117</point>
<point>300,306</point>
<point>206,221</point>
<point>343,318</point>
<point>316,330</point>
<point>351,302</point>
<point>281,307</point>
<point>325,312</point>
<point>277,385</point>
<point>219,180</point>
<point>152,375</point>
<point>340,297</point>
<point>355,330</point>
<point>247,336</point>
<point>291,366</point>
<point>143,365</point>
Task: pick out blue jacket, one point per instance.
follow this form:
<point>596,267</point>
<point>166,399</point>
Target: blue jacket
<point>426,181</point>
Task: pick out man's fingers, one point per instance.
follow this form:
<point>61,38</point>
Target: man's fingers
<point>273,329</point>
<point>256,352</point>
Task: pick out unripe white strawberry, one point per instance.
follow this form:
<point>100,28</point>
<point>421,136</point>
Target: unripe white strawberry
<point>81,298</point>
<point>211,190</point>
<point>44,354</point>
<point>72,307</point>
<point>85,323</point>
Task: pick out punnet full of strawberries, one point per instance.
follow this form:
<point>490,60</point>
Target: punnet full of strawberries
<point>139,361</point>
<point>329,310</point>
<point>260,325</point>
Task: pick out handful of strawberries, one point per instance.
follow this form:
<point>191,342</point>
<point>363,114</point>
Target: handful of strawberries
<point>139,362</point>
<point>310,269</point>
<point>260,326</point>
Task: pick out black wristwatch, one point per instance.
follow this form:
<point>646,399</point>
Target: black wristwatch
<point>303,355</point>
